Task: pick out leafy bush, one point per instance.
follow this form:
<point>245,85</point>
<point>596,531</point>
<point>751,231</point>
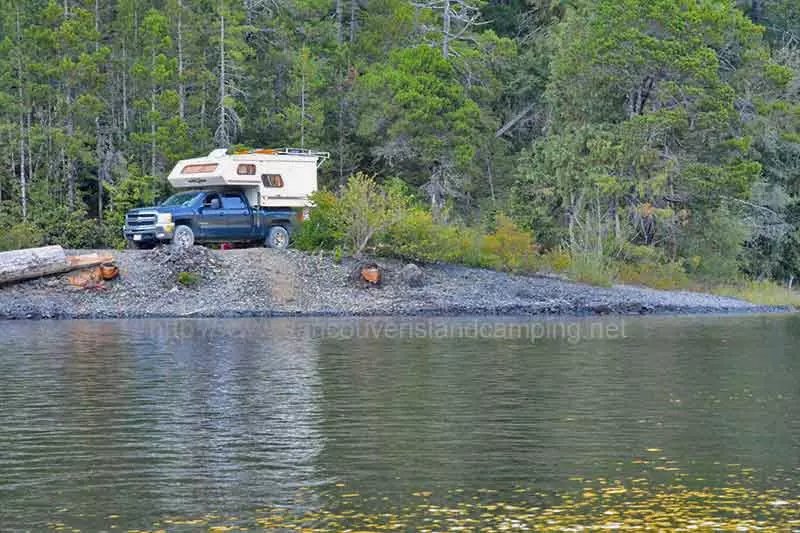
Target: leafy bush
<point>509,248</point>
<point>592,269</point>
<point>70,228</point>
<point>415,237</point>
<point>188,279</point>
<point>666,276</point>
<point>354,218</point>
<point>22,235</point>
<point>388,220</point>
<point>365,210</point>
<point>713,242</point>
<point>319,231</point>
<point>761,293</point>
<point>557,260</point>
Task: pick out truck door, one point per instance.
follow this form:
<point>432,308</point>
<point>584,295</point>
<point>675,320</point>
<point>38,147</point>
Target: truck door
<point>212,217</point>
<point>238,217</point>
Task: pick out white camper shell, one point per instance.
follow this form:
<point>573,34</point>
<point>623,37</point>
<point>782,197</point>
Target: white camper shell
<point>282,177</point>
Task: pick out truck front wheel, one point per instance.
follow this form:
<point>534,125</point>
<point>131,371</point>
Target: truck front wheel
<point>183,237</point>
<point>278,237</point>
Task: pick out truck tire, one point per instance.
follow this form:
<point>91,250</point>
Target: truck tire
<point>183,237</point>
<point>278,238</point>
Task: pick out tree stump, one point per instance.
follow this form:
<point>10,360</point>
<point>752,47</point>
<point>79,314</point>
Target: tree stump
<point>367,275</point>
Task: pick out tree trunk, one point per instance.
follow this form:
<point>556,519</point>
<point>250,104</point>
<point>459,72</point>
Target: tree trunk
<point>490,175</point>
<point>223,137</point>
<point>352,21</point>
<point>23,180</point>
<point>446,30</point>
<point>153,94</point>
<point>302,101</point>
<point>181,85</point>
<point>69,168</point>
<point>339,22</point>
<point>124,89</point>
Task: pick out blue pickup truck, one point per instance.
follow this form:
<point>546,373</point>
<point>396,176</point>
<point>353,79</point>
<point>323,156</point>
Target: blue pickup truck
<point>203,216</point>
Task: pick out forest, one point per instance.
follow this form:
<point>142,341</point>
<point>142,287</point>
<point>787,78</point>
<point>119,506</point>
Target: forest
<point>657,134</point>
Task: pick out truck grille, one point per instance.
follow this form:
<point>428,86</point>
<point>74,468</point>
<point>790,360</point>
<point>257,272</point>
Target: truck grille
<point>137,220</point>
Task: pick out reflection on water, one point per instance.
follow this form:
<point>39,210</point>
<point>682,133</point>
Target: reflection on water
<point>285,423</point>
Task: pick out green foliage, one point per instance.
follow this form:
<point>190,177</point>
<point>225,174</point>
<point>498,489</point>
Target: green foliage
<point>712,244</point>
<point>665,276</point>
<point>319,230</point>
<point>188,279</point>
<point>390,222</point>
<point>23,235</point>
<point>364,210</point>
<point>509,247</point>
<point>420,120</point>
<point>128,193</point>
<point>591,268</point>
<point>761,292</point>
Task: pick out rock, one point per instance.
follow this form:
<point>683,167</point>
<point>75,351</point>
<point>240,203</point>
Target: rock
<point>412,275</point>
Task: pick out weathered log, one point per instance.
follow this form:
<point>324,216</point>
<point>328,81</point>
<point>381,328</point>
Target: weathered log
<point>19,265</point>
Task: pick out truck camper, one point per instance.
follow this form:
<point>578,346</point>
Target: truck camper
<point>244,196</point>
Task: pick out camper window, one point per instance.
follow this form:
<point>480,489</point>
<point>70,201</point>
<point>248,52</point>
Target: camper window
<point>199,169</point>
<point>272,180</point>
<point>246,170</point>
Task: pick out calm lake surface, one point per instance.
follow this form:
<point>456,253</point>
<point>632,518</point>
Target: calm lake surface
<point>400,424</point>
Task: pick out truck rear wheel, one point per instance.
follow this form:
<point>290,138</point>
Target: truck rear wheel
<point>183,237</point>
<point>278,238</point>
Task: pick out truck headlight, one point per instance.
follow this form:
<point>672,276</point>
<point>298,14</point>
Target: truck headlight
<point>164,219</point>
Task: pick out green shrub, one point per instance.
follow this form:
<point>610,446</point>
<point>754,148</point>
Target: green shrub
<point>557,260</point>
<point>592,269</point>
<point>414,237</point>
<point>188,279</point>
<point>666,276</point>
<point>713,242</point>
<point>761,293</point>
<point>22,235</point>
<point>319,231</point>
<point>365,210</point>
<point>69,228</point>
<point>509,248</point>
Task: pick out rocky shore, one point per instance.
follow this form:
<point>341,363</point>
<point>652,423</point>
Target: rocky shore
<point>264,282</point>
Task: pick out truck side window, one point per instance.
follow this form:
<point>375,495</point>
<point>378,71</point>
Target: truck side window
<point>209,201</point>
<point>233,201</point>
<point>272,180</point>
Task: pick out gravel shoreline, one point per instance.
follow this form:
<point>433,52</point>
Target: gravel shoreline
<point>260,282</point>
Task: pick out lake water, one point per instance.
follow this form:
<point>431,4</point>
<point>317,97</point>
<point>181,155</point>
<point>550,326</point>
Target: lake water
<point>400,424</point>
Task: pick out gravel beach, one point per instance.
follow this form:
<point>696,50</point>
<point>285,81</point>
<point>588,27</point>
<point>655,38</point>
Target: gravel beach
<point>265,282</point>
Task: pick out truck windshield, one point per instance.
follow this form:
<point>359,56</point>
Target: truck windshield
<point>181,199</point>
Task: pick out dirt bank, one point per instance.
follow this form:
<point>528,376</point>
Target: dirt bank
<point>264,282</point>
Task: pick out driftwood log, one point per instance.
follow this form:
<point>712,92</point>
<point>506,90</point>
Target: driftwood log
<point>19,265</point>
